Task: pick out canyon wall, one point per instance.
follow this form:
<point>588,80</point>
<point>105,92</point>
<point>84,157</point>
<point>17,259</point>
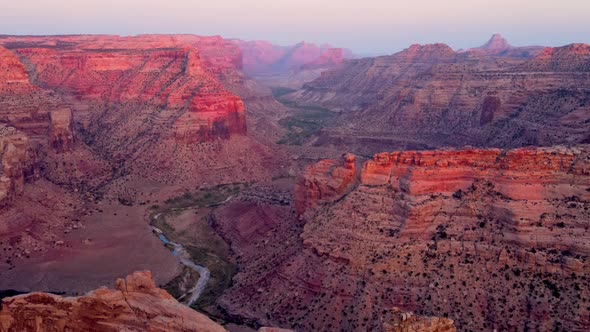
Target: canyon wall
<point>18,164</point>
<point>430,96</point>
<point>492,239</point>
<point>165,72</point>
<point>100,120</point>
<point>155,105</point>
<point>13,75</point>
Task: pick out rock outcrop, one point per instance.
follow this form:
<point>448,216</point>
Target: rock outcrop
<point>17,163</point>
<point>498,46</point>
<point>61,132</point>
<point>135,305</point>
<point>492,239</point>
<point>408,322</point>
<point>326,181</point>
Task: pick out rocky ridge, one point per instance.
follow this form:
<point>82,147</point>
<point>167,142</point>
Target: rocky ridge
<point>135,305</point>
<point>265,58</point>
<point>430,96</point>
<point>498,46</point>
<point>569,58</point>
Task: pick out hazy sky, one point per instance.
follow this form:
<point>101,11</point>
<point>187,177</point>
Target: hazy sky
<point>366,26</point>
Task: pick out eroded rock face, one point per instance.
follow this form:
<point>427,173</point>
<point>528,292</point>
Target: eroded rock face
<point>177,73</point>
<point>135,305</point>
<point>492,239</point>
<point>569,58</point>
<point>17,163</point>
<point>429,96</point>
<point>61,132</point>
<point>326,181</point>
<point>409,322</point>
<point>13,75</point>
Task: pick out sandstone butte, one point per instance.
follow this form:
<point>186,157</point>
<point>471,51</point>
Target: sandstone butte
<point>136,304</point>
<point>494,239</point>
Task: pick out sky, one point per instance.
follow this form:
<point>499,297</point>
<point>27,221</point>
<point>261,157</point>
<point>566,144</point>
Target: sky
<point>365,26</point>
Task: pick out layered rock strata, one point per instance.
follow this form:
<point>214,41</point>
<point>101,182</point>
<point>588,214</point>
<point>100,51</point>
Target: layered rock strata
<point>17,164</point>
<point>61,131</point>
<point>173,73</point>
<point>135,305</point>
<point>430,96</point>
<point>492,239</point>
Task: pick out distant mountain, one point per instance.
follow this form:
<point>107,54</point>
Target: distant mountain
<point>496,44</point>
<point>499,46</point>
<point>430,95</point>
<point>264,58</point>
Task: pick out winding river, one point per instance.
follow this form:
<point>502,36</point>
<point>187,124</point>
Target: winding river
<point>183,256</point>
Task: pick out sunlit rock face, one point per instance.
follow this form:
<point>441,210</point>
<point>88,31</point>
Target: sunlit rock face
<point>13,75</point>
<point>325,181</point>
<point>178,73</point>
<point>18,164</point>
<point>569,58</point>
<point>490,238</point>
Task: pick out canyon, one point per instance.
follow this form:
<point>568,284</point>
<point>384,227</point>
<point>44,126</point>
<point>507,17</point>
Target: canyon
<point>495,239</point>
<point>429,190</point>
<point>138,305</point>
<point>430,96</point>
<point>290,66</point>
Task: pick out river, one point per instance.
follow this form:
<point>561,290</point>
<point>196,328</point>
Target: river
<point>184,258</point>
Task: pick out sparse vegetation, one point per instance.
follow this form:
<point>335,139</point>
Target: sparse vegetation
<point>305,122</point>
<point>203,244</point>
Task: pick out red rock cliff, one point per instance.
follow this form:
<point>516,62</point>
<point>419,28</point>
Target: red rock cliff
<point>178,73</point>
<point>493,239</point>
<point>325,181</point>
<point>13,75</point>
<point>17,163</point>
